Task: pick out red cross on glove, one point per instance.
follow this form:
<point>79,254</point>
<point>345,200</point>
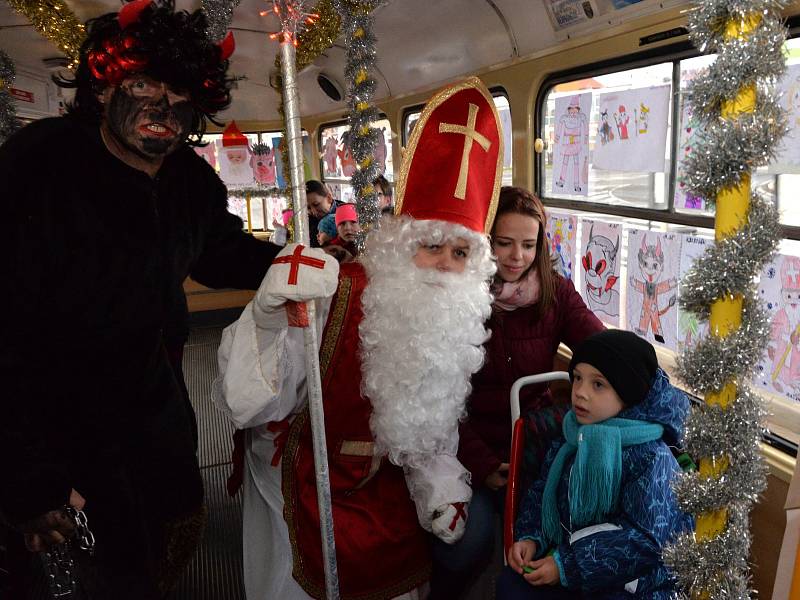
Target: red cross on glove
<point>297,259</point>
<point>461,513</point>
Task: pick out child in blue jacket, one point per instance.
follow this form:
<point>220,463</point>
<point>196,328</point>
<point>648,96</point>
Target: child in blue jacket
<point>595,522</point>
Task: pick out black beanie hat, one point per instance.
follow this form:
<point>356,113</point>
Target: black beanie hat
<point>627,361</point>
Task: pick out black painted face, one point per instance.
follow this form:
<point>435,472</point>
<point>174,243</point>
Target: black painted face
<point>147,117</point>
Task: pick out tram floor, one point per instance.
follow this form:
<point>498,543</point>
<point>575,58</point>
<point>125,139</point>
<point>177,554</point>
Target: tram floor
<point>215,572</point>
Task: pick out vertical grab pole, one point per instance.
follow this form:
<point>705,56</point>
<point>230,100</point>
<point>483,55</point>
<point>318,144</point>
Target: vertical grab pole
<point>295,147</point>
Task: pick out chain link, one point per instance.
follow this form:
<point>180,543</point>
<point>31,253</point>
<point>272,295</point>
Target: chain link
<point>59,564</point>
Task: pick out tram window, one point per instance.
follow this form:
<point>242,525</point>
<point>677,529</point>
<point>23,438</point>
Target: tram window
<point>503,111</point>
<point>254,197</point>
<point>338,165</point>
<point>577,176</point>
<point>651,188</point>
<point>779,181</point>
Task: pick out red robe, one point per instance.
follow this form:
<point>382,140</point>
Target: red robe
<point>380,547</point>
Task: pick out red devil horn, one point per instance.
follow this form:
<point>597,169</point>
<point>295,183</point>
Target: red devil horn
<point>130,12</point>
<point>227,46</point>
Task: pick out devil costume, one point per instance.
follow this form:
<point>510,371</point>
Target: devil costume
<point>93,255</point>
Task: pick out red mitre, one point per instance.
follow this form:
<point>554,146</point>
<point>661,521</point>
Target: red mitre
<point>232,136</point>
<point>453,165</point>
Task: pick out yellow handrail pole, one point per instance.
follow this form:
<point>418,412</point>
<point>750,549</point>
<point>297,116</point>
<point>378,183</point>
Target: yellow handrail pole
<point>249,213</point>
<point>733,205</point>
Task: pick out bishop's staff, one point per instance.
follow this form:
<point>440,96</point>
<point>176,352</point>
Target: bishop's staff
<point>291,14</point>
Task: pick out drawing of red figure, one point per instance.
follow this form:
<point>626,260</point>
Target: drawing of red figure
<point>784,348</point>
<point>380,151</point>
<point>346,157</point>
<point>651,263</point>
<point>622,119</point>
<point>572,133</point>
<point>329,154</point>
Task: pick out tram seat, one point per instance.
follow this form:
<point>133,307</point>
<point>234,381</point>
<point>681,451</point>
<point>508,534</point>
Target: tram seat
<point>516,457</point>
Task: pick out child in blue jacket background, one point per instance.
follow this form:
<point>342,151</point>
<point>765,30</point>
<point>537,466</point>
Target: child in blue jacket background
<point>595,522</point>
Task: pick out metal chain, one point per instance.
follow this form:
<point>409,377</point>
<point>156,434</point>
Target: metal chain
<point>59,564</point>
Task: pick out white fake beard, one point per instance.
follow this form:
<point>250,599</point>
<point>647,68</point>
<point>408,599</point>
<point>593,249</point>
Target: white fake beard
<point>421,338</point>
<point>792,313</point>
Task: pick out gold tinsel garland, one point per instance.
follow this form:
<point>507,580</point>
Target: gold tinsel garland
<point>312,42</point>
<point>56,22</point>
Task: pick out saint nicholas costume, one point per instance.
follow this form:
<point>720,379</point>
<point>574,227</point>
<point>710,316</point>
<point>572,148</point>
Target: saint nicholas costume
<point>381,511</point>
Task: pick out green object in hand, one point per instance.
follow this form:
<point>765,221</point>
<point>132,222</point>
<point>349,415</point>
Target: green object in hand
<point>528,569</point>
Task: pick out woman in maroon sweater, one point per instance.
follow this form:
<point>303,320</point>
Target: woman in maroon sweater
<point>535,309</point>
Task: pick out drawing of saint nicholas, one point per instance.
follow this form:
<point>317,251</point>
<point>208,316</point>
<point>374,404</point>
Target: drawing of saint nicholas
<point>784,347</point>
<point>572,135</point>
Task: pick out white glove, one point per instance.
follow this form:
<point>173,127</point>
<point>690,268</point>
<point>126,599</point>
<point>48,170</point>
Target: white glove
<point>449,521</point>
<point>297,274</point>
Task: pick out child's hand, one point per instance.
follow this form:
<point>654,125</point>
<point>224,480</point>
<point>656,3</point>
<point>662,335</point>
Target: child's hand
<point>520,554</point>
<point>545,572</point>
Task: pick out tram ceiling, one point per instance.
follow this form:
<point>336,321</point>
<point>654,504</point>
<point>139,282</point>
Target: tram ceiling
<point>421,43</point>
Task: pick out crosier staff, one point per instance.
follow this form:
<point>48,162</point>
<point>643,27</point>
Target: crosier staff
<point>290,15</point>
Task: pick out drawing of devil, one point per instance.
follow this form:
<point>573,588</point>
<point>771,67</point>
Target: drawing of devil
<point>651,263</point>
<point>599,263</point>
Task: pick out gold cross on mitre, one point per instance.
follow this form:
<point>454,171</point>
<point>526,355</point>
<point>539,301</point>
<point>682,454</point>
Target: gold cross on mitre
<point>470,135</point>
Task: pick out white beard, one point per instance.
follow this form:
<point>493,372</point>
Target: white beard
<point>421,338</point>
<point>792,313</point>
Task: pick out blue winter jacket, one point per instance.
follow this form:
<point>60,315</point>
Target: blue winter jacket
<point>622,557</point>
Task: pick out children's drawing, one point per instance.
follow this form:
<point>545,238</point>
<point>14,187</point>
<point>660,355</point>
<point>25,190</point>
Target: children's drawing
<point>689,126</point>
<point>280,180</point>
<point>561,230</point>
<point>642,116</point>
<point>788,159</point>
<point>779,371</point>
<point>208,153</point>
<point>280,172</point>
<point>622,120</point>
<point>234,157</point>
<point>633,129</point>
<point>234,165</point>
<point>690,328</point>
<point>605,129</point>
<point>329,156</point>
<point>600,269</point>
<point>571,154</point>
<point>653,263</point>
<point>263,164</point>
<point>380,151</point>
<point>346,156</point>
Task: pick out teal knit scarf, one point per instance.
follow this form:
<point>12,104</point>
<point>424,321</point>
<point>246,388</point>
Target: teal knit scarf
<point>596,473</point>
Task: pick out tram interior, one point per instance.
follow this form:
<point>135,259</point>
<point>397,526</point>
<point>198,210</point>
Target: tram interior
<point>529,61</point>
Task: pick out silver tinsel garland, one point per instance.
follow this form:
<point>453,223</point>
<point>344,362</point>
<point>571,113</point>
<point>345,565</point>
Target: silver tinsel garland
<point>362,137</point>
<point>219,14</point>
<point>255,192</point>
<point>727,150</point>
<point>715,360</point>
<point>8,110</point>
<point>698,564</point>
<point>742,58</point>
<point>730,264</point>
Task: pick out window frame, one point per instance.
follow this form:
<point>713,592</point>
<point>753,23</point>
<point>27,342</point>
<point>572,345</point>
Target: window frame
<point>497,90</point>
<point>673,53</point>
<point>338,123</point>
